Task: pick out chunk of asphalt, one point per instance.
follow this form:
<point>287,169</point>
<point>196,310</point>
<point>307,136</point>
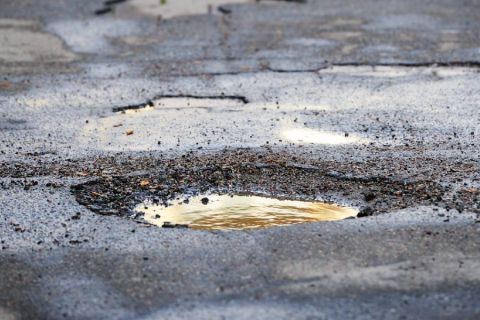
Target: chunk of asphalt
<point>365,212</point>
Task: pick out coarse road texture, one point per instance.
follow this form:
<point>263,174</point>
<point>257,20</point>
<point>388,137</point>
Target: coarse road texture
<point>372,104</point>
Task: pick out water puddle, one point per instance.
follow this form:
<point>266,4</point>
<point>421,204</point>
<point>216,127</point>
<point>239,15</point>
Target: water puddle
<point>306,135</point>
<point>172,8</point>
<point>225,212</point>
<point>398,71</point>
<point>192,102</point>
<point>145,126</point>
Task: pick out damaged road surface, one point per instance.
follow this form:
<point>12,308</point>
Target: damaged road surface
<point>239,159</point>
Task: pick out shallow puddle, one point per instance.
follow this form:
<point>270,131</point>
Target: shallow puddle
<point>306,135</point>
<point>172,8</point>
<point>177,103</point>
<point>224,212</point>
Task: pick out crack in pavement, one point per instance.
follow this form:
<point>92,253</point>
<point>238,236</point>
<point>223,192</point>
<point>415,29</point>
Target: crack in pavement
<point>412,65</point>
<point>150,103</point>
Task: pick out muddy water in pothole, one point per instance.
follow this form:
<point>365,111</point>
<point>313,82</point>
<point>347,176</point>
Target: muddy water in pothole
<point>224,212</point>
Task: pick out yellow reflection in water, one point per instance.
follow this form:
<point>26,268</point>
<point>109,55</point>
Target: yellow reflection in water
<point>223,212</point>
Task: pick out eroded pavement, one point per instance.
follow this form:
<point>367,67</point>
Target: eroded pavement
<point>371,105</point>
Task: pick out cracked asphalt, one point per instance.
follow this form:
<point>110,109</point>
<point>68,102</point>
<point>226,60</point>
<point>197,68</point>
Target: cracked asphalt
<point>369,104</point>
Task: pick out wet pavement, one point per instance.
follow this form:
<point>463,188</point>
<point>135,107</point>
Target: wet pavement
<point>371,105</point>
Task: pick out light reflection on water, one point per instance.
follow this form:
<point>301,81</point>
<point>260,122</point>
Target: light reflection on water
<point>223,212</point>
<point>306,135</point>
<point>172,8</point>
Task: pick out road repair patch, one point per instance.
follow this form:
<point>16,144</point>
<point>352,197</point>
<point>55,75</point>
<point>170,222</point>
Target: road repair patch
<point>21,41</point>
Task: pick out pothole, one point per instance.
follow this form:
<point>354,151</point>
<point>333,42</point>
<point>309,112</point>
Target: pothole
<point>123,185</point>
<point>238,212</point>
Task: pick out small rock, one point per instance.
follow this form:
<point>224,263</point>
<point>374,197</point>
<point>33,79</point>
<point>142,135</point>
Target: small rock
<point>167,224</point>
<point>365,212</point>
<point>369,196</point>
<point>144,183</point>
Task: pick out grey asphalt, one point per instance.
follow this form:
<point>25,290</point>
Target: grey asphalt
<point>386,89</point>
